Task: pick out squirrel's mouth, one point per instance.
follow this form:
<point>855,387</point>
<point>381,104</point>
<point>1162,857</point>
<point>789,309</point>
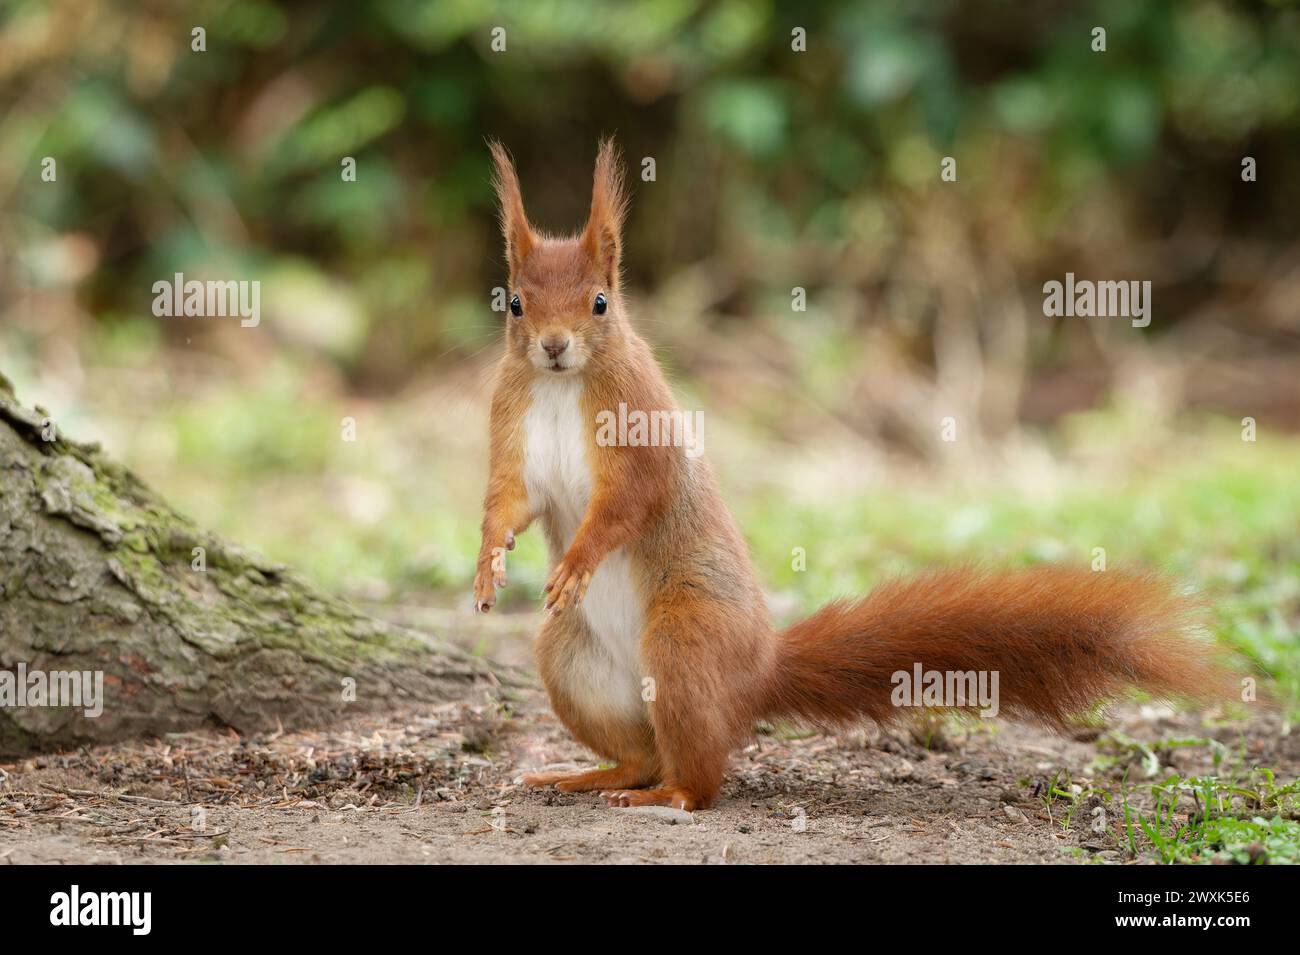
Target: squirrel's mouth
<point>566,363</point>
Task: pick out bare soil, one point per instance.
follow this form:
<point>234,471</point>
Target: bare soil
<point>439,785</point>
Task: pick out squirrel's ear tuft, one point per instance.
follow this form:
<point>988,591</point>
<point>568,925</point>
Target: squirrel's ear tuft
<point>602,237</point>
<point>514,223</point>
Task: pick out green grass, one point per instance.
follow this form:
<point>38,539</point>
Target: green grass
<point>1237,813</point>
<point>1228,823</point>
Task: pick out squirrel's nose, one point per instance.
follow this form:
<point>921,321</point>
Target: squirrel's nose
<point>554,346</point>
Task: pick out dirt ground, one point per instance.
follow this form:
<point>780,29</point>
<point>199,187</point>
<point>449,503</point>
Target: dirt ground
<point>439,784</point>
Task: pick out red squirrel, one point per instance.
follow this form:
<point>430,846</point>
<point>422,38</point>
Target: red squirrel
<point>657,652</point>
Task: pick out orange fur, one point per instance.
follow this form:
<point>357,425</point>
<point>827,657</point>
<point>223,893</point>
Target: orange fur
<point>705,650</point>
<point>1061,639</point>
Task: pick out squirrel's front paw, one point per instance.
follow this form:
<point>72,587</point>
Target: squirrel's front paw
<point>568,584</point>
<point>485,592</point>
<point>491,575</point>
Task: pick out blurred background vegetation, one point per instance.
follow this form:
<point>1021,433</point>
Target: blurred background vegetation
<point>774,169</point>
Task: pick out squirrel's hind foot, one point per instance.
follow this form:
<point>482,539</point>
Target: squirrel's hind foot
<point>615,777</point>
<point>674,797</point>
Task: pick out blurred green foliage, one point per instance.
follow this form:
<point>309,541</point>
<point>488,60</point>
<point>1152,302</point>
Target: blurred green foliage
<point>774,167</point>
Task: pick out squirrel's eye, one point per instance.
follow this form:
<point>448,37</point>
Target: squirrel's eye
<point>599,308</point>
<point>516,309</point>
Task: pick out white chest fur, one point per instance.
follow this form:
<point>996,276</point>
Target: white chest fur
<point>558,478</point>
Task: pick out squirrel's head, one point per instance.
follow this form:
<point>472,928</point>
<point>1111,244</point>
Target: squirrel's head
<point>564,306</point>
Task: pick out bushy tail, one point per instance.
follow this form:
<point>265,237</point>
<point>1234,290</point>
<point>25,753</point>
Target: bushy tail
<point>1061,640</point>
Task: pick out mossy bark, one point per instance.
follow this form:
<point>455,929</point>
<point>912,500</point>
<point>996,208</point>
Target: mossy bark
<point>97,573</point>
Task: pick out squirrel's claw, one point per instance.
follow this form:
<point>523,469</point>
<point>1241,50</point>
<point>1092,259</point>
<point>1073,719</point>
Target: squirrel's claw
<point>483,601</point>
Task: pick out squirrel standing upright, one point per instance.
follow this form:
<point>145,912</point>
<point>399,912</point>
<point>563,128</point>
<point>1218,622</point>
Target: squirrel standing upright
<point>658,653</point>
